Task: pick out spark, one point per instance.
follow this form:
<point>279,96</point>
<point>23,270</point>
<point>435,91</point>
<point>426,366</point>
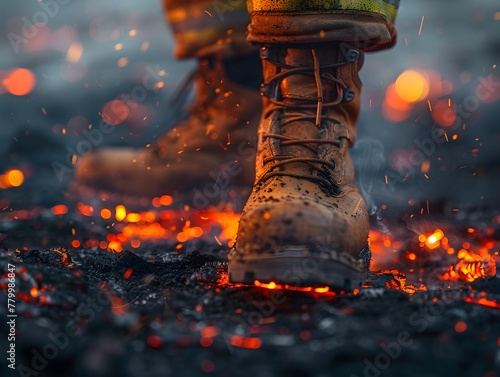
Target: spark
<point>421,25</point>
<point>217,240</point>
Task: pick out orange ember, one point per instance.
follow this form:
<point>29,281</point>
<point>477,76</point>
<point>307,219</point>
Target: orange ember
<point>460,326</point>
<point>155,226</point>
<point>245,342</point>
<point>484,302</point>
<point>128,273</point>
<point>140,229</point>
<point>273,285</point>
<point>60,209</point>
<point>471,267</point>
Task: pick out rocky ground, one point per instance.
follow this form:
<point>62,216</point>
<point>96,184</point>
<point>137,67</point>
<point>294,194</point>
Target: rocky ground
<point>170,311</point>
<point>99,297</point>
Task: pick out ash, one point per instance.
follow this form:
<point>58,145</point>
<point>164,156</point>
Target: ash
<point>165,312</point>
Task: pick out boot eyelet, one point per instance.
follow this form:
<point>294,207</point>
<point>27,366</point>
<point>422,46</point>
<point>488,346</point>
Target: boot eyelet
<point>351,55</point>
<point>265,53</point>
<point>348,95</point>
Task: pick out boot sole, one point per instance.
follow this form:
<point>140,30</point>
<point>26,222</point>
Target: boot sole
<point>298,268</point>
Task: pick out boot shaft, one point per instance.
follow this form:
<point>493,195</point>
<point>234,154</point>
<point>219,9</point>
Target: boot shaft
<point>289,77</point>
<point>311,106</point>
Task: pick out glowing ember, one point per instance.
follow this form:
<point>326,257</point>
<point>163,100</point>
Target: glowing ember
<point>449,256</point>
<point>59,209</point>
<point>154,341</point>
<point>484,302</point>
<point>273,285</point>
<point>120,213</point>
<point>127,274</point>
<point>397,280</point>
<point>432,241</point>
<point>105,213</point>
<point>157,226</point>
<point>460,326</point>
<point>84,209</point>
<point>245,342</point>
<point>471,267</point>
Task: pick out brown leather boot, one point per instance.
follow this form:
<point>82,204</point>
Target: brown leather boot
<point>305,223</point>
<point>198,162</point>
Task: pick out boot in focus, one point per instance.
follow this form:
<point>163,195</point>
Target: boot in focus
<point>305,223</point>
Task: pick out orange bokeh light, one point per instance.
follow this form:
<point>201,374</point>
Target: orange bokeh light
<point>105,213</point>
<point>444,113</point>
<point>19,81</point>
<point>394,115</point>
<point>15,177</point>
<point>394,100</point>
<point>411,86</point>
<point>120,212</point>
<point>115,112</point>
<point>166,200</point>
<point>60,209</point>
<point>460,326</point>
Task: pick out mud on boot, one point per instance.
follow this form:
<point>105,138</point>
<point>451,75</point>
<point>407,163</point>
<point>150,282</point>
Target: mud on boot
<point>305,223</point>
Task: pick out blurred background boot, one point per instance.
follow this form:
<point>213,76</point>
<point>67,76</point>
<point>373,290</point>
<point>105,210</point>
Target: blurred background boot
<point>208,158</point>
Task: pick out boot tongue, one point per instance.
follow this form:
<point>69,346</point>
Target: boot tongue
<point>301,89</point>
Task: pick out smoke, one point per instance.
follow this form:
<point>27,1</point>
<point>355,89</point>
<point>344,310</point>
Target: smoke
<point>370,161</point>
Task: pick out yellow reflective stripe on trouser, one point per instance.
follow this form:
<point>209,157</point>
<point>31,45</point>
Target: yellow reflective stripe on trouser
<point>388,8</point>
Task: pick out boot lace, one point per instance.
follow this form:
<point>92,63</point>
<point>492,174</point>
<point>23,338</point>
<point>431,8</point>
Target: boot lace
<point>295,112</point>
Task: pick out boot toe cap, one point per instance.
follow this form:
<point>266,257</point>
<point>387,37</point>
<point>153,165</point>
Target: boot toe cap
<point>107,169</point>
<point>272,226</point>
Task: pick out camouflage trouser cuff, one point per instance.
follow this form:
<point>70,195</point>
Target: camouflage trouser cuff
<point>206,27</point>
<point>369,24</point>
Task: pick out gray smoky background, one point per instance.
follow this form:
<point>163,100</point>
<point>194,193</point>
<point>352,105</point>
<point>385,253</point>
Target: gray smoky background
<point>430,106</point>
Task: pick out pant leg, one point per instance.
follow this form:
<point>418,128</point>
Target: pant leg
<point>368,24</point>
<point>205,27</point>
